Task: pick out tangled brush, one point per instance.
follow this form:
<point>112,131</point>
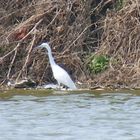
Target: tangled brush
<point>75,29</point>
<point>26,24</point>
<point>120,41</point>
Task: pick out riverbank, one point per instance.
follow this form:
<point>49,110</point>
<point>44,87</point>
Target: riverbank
<point>97,43</point>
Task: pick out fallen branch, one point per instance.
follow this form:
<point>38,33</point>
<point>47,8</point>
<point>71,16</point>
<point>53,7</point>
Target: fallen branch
<point>27,58</point>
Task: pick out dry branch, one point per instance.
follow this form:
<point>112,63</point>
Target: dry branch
<point>68,27</point>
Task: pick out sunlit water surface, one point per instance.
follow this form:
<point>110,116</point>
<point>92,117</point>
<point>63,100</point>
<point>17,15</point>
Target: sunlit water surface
<point>85,115</point>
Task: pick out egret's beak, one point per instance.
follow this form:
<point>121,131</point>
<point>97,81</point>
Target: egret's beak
<point>40,46</point>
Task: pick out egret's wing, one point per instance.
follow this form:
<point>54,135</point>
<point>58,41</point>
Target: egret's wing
<point>63,77</point>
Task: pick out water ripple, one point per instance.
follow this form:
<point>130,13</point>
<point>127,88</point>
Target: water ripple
<point>85,116</point>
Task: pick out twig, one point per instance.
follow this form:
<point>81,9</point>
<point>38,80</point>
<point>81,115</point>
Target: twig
<point>15,49</point>
<point>10,52</point>
<point>67,49</point>
<point>41,79</point>
<point>22,40</point>
<point>27,58</point>
<point>53,19</point>
<point>12,62</point>
<point>32,43</point>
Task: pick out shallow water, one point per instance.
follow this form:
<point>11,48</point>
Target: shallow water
<point>58,115</point>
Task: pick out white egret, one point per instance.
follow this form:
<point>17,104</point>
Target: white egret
<point>59,73</point>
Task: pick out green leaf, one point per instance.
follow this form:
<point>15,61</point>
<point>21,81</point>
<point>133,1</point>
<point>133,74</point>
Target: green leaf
<point>98,63</point>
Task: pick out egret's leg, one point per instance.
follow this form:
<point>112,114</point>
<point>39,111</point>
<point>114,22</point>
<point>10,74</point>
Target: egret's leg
<point>59,85</point>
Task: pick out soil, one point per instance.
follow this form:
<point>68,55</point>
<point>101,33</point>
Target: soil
<point>75,30</point>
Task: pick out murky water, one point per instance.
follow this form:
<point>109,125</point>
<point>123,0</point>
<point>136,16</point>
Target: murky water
<point>85,115</point>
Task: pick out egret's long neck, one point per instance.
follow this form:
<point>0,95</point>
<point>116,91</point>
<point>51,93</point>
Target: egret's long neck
<point>52,62</point>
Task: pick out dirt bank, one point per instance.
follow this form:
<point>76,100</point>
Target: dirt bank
<point>77,31</point>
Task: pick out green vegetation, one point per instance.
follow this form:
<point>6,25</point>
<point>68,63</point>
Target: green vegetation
<point>1,50</point>
<point>74,30</point>
<point>98,63</point>
<point>119,4</point>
